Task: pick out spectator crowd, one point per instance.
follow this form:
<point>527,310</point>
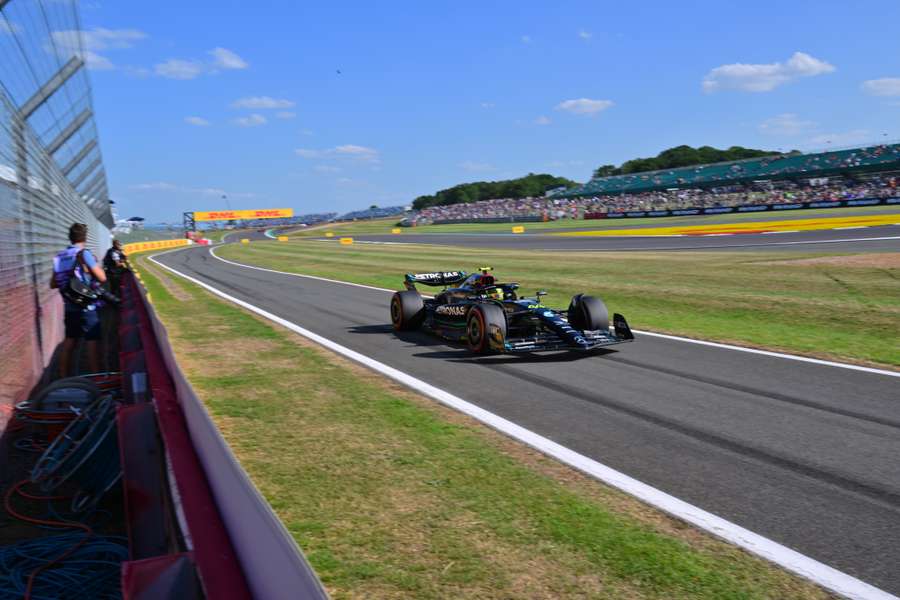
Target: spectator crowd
<point>779,192</point>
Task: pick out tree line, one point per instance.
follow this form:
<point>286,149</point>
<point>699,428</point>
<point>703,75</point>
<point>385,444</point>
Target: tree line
<point>681,156</point>
<point>529,186</point>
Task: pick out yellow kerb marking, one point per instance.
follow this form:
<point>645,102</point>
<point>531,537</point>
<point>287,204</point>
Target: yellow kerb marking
<point>346,241</point>
<point>245,241</point>
<point>329,234</point>
<point>747,227</point>
<point>396,230</point>
<point>518,229</point>
<point>282,238</point>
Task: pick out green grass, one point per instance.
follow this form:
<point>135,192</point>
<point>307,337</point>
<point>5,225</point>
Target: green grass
<point>383,226</point>
<point>767,300</point>
<point>392,496</point>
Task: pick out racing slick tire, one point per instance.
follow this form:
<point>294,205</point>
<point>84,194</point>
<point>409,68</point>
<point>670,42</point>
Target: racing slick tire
<point>407,310</point>
<point>482,320</point>
<point>588,313</point>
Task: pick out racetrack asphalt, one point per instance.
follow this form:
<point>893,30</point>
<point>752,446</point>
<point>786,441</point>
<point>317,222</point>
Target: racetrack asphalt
<point>802,453</point>
<point>884,238</point>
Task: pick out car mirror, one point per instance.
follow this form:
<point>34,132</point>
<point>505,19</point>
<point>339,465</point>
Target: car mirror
<point>540,293</point>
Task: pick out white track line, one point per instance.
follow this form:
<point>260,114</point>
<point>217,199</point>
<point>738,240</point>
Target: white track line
<point>807,359</point>
<point>846,228</point>
<point>820,573</point>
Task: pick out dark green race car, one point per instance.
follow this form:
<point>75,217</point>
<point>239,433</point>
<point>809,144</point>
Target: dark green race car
<point>490,316</point>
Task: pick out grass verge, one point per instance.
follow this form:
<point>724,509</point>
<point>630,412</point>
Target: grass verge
<point>383,226</point>
<point>393,496</point>
<point>836,307</point>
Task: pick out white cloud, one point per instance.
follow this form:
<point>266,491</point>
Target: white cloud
<point>154,186</point>
<point>223,58</point>
<point>847,138</point>
<point>251,120</point>
<point>209,191</point>
<point>788,124</point>
<point>346,151</point>
<point>90,43</point>
<point>261,102</point>
<point>285,114</point>
<point>488,105</point>
<point>306,132</point>
<point>764,77</point>
<point>542,120</point>
<point>886,86</point>
<point>476,167</point>
<point>198,121</point>
<point>584,106</point>
<point>526,39</point>
<point>585,35</point>
<point>165,186</point>
<point>101,38</point>
<point>175,68</point>
<point>359,152</point>
<point>326,169</point>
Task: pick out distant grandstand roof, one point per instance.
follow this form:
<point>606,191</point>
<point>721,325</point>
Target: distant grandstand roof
<point>881,157</point>
<point>374,213</point>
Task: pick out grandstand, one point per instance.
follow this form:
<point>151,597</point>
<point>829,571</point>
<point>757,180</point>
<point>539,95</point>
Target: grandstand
<point>794,166</point>
<point>374,212</point>
<point>821,192</point>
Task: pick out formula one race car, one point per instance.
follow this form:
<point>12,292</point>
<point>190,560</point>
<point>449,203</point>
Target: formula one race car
<point>491,317</point>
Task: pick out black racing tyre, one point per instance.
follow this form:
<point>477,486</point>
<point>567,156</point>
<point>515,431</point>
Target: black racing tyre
<point>71,391</point>
<point>588,313</point>
<point>407,310</point>
<point>483,321</point>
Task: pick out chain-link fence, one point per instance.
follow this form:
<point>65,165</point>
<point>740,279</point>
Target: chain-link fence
<point>40,195</point>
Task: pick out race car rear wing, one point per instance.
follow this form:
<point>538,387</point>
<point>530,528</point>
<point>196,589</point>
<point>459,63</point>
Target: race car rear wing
<point>439,278</point>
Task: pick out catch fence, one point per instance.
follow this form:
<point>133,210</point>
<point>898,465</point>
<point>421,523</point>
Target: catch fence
<point>47,146</point>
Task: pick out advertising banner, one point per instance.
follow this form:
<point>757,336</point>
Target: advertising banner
<point>157,245</point>
<point>234,215</point>
<point>745,208</point>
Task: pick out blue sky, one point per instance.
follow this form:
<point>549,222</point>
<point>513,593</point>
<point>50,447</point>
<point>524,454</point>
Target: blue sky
<point>199,99</point>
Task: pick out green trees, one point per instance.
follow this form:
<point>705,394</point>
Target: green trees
<point>530,185</point>
<point>681,156</point>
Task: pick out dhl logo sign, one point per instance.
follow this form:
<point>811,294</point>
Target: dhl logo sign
<point>158,245</point>
<point>234,215</point>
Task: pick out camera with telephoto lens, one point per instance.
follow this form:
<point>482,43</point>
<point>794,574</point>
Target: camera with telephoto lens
<point>84,295</point>
<point>107,295</point>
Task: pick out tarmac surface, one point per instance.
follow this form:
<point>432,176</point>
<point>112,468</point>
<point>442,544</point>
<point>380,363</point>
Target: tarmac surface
<point>883,238</point>
<point>803,453</point>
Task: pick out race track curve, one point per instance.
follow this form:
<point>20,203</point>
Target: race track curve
<point>802,453</point>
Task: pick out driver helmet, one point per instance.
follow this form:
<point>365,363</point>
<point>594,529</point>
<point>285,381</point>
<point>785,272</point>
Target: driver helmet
<point>496,294</point>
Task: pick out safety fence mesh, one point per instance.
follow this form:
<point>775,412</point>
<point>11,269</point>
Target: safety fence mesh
<point>38,202</point>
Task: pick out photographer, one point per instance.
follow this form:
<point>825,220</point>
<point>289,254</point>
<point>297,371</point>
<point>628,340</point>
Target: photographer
<point>115,263</point>
<point>82,319</point>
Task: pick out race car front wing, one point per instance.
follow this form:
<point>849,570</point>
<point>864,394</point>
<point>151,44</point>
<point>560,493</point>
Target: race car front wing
<point>584,340</point>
